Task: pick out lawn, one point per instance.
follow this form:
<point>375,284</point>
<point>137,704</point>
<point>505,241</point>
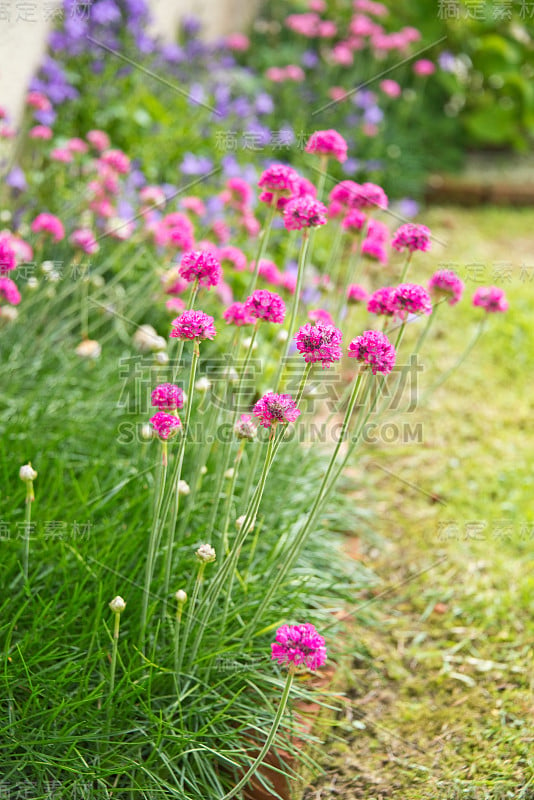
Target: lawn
<point>440,698</point>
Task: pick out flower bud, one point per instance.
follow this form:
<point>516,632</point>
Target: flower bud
<point>89,348</point>
<point>203,384</point>
<point>161,357</point>
<point>183,488</point>
<point>117,605</point>
<point>27,473</point>
<point>229,473</point>
<point>205,553</point>
<point>181,596</point>
<point>240,521</point>
<point>203,469</point>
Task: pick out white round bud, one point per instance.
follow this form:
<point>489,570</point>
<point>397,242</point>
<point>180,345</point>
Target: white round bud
<point>9,313</point>
<point>229,473</point>
<point>240,521</point>
<point>147,340</point>
<point>89,348</point>
<point>203,384</point>
<point>47,266</point>
<point>203,470</point>
<point>32,282</point>
<point>206,553</point>
<point>181,596</point>
<point>147,432</point>
<point>161,357</point>
<point>183,488</point>
<point>117,605</point>
<point>247,341</point>
<point>97,281</point>
<point>282,336</point>
<point>27,473</point>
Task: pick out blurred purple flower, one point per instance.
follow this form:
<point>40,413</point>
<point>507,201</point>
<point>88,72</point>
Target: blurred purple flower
<point>309,59</point>
<point>195,165</point>
<point>408,207</point>
<point>373,115</point>
<point>105,12</point>
<point>16,179</point>
<point>264,103</point>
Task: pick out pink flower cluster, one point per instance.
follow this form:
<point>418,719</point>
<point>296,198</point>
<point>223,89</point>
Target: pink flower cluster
<point>354,221</point>
<point>274,408</point>
<point>328,143</point>
<point>84,239</point>
<point>174,230</point>
<point>412,299</point>
<point>446,283</point>
<point>491,299</point>
<point>382,302</point>
<point>290,73</point>
<point>375,243</point>
<point>237,314</point>
<point>193,325</point>
<point>200,265</point>
<point>349,195</point>
<point>165,425</point>
<point>266,305</point>
<point>9,291</point>
<point>356,293</point>
<point>8,256</point>
<point>167,397</point>
<point>278,179</point>
<point>304,212</point>
<point>374,349</point>
<point>299,645</point>
<point>49,223</point>
<point>411,237</point>
<point>319,342</point>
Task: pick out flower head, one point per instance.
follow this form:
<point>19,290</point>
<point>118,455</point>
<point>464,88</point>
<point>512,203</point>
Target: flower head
<point>319,342</point>
<point>411,237</point>
<point>117,605</point>
<point>381,302</point>
<point>354,221</point>
<point>8,257</point>
<point>328,143</point>
<point>181,597</point>
<point>491,299</point>
<point>27,473</point>
<point>237,314</point>
<point>167,397</point>
<point>266,305</point>
<point>89,348</point>
<point>274,408</point>
<point>84,239</point>
<point>446,283</point>
<point>245,428</point>
<point>374,349</point>
<point>411,298</point>
<point>300,645</point>
<point>165,424</point>
<point>49,223</point>
<point>201,265</point>
<point>279,179</point>
<point>320,315</point>
<point>356,293</point>
<point>193,325</point>
<point>9,291</point>
<point>205,553</point>
<point>304,212</point>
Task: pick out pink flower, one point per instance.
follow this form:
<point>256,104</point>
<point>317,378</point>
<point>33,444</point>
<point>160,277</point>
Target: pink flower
<point>239,192</point>
<point>48,223</point>
<point>412,237</point>
<point>77,145</point>
<point>274,408</point>
<point>328,143</point>
<point>237,42</point>
<point>356,293</point>
<point>381,302</point>
<point>370,196</point>
<point>342,54</point>
<point>61,154</point>
<point>245,427</point>
<point>172,282</point>
<point>317,5</point>
<point>201,265</point>
<point>266,305</point>
<point>8,256</point>
<point>41,132</point>
<point>412,299</point>
<point>9,291</point>
<point>165,425</point>
<point>342,197</point>
<point>275,74</point>
<point>370,7</point>
<point>294,73</point>
<point>175,230</point>
<point>167,397</point>
<point>446,283</point>
<point>391,88</point>
<point>299,645</point>
<point>304,212</point>
<point>354,221</point>
<point>326,29</point>
<point>319,342</point>
<point>305,24</point>
<point>237,314</point>
<point>320,315</point>
<point>117,160</point>
<point>491,299</point>
<point>84,239</point>
<point>234,256</point>
<point>99,140</point>
<point>288,281</point>
<point>193,325</point>
<point>38,101</point>
<point>424,67</point>
<point>374,247</point>
<point>268,271</point>
<point>193,204</point>
<point>153,196</point>
<point>280,179</point>
<point>174,304</point>
<point>374,349</point>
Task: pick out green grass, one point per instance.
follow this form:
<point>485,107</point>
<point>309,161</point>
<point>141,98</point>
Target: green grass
<point>440,698</point>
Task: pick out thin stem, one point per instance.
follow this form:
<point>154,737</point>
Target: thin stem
<point>268,742</point>
<point>174,516</point>
<point>230,494</point>
<point>303,381</point>
<point>115,647</point>
<point>262,243</point>
<point>189,619</point>
<point>27,527</point>
<point>441,380</point>
<point>190,306</point>
<point>84,306</point>
<point>152,546</point>
<point>405,267</point>
<point>294,307</point>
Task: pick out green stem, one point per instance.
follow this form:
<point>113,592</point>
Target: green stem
<point>190,306</point>
<point>441,380</point>
<point>294,307</point>
<point>115,647</point>
<point>230,494</point>
<point>27,527</point>
<point>174,489</point>
<point>262,244</point>
<point>405,267</point>
<point>152,545</point>
<point>189,619</point>
<point>268,742</point>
